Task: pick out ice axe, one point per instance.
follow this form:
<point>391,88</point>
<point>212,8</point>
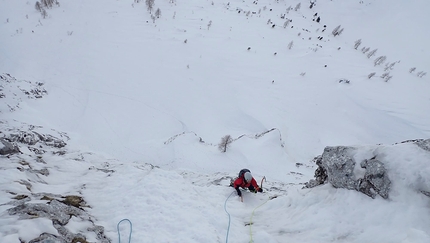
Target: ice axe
<point>262,179</point>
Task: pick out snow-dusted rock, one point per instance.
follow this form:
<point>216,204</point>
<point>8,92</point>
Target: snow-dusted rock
<point>375,180</point>
<point>22,151</point>
<point>424,144</point>
<point>55,210</point>
<point>14,91</point>
<point>335,166</point>
<point>7,147</point>
<point>338,166</point>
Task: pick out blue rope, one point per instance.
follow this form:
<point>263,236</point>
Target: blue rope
<point>131,229</point>
<point>225,209</point>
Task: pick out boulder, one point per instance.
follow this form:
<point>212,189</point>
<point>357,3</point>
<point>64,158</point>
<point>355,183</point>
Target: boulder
<point>375,180</point>
<point>336,166</point>
<point>7,148</point>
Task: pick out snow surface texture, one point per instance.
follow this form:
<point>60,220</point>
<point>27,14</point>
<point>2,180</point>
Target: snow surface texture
<point>143,102</point>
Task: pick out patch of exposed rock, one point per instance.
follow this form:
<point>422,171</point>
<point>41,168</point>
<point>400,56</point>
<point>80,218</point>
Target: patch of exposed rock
<point>26,154</point>
<point>59,209</point>
<point>13,91</point>
<point>337,166</point>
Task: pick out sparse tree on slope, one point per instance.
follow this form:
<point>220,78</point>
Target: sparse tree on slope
<point>372,53</point>
<point>158,13</point>
<point>225,143</point>
<point>357,44</point>
<point>149,5</point>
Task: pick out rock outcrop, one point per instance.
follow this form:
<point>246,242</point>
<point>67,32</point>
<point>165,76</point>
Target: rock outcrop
<point>29,154</point>
<point>31,168</point>
<point>338,167</point>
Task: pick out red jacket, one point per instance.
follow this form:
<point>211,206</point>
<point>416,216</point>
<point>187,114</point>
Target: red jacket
<point>240,182</point>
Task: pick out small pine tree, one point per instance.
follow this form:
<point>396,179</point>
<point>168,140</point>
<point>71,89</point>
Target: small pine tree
<point>365,49</point>
<point>371,75</point>
<point>389,66</point>
<point>290,45</point>
<point>372,53</point>
<point>412,69</point>
<point>287,22</point>
<point>421,74</point>
<point>158,13</point>
<point>297,7</point>
<point>44,13</point>
<point>337,31</point>
<point>385,75</point>
<point>380,60</point>
<point>357,44</point>
<point>388,78</point>
<point>225,143</point>
<point>38,6</point>
<point>149,5</point>
<point>48,3</point>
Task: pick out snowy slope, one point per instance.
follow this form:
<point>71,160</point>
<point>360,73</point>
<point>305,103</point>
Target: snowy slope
<point>164,92</point>
<point>109,61</point>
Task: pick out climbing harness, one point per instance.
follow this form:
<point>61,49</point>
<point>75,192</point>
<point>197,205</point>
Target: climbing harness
<point>229,219</point>
<point>131,228</point>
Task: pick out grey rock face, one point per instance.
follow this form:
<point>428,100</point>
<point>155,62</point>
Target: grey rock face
<point>320,174</point>
<point>26,151</point>
<point>375,179</point>
<point>424,144</point>
<point>339,166</point>
<point>32,138</point>
<point>55,211</point>
<point>14,91</point>
<point>59,212</point>
<point>47,238</point>
<point>336,166</point>
<point>8,147</point>
<point>22,150</point>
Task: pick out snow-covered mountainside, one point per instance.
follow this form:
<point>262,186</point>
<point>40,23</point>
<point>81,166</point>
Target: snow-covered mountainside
<point>114,110</point>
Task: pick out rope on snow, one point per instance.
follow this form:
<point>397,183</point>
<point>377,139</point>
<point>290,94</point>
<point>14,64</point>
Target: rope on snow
<point>229,218</point>
<point>131,229</point>
<point>250,220</point>
<point>252,215</point>
<point>253,211</point>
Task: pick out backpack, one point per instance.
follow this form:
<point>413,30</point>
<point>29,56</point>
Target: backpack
<point>242,172</point>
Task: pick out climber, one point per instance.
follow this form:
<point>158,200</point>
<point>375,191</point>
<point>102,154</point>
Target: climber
<point>245,180</point>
